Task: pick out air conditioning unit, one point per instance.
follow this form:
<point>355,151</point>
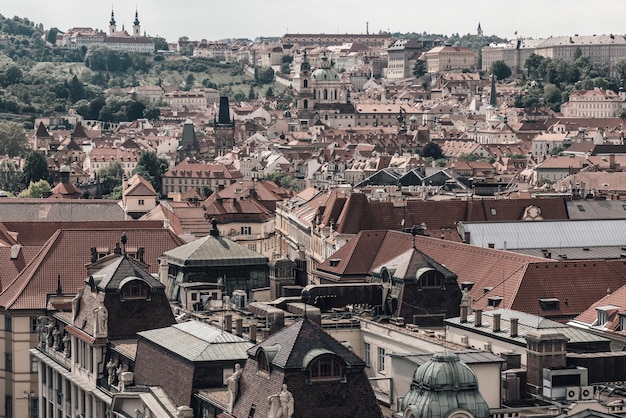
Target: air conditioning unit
<point>586,393</point>
<point>572,393</point>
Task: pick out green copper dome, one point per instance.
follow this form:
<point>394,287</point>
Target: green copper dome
<point>325,72</point>
<point>442,385</point>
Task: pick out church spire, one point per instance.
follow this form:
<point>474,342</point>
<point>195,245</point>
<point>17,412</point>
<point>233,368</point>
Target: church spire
<point>493,100</point>
<point>112,27</point>
<point>136,27</point>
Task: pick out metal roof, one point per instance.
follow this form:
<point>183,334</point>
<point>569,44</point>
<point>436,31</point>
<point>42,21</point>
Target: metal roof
<point>197,341</point>
<point>546,234</point>
<point>467,356</point>
<point>526,323</point>
<point>213,251</point>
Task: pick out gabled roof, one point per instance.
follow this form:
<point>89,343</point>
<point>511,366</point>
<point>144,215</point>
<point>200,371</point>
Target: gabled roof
<point>196,341</point>
<point>65,255</point>
<point>139,186</point>
<point>299,339</point>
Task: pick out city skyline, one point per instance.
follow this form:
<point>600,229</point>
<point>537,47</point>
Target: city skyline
<point>248,19</point>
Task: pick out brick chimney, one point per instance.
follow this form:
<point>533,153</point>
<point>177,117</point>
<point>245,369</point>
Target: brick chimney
<point>513,326</point>
<point>478,317</point>
<point>496,322</point>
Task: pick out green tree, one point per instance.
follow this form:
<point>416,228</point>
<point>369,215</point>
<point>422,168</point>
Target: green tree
<point>13,141</point>
<point>282,179</point>
<point>419,69</point>
<point>269,92</point>
<point>36,190</point>
<point>432,150</point>
<point>152,112</point>
<point>152,168</point>
<point>534,65</point>
<point>35,167</point>
<point>501,70</point>
<point>619,67</point>
<point>10,177</point>
<point>251,93</point>
<point>51,36</point>
<point>190,80</point>
<point>160,44</point>
<point>206,191</point>
<point>110,177</point>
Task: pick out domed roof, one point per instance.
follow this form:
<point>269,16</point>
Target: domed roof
<point>325,72</point>
<point>445,371</point>
<point>441,385</point>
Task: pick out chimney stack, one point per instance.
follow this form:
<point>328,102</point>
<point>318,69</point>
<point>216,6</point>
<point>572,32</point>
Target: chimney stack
<point>514,322</point>
<point>463,314</point>
<point>478,317</point>
<point>496,322</point>
<point>228,323</point>
<point>253,333</point>
<point>239,327</point>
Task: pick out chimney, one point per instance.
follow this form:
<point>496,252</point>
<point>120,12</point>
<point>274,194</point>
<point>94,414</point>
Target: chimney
<point>239,327</point>
<point>496,322</point>
<point>253,333</point>
<point>228,323</point>
<point>463,314</point>
<point>117,250</point>
<point>513,325</point>
<point>478,317</point>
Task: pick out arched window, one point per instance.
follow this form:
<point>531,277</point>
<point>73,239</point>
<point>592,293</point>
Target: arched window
<point>306,83</point>
<point>325,94</point>
<point>430,279</point>
<point>134,290</point>
<point>325,368</point>
<point>262,362</point>
<point>305,104</point>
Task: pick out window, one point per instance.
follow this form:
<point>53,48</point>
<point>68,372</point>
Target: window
<point>33,324</point>
<point>8,362</point>
<point>246,230</point>
<point>326,368</point>
<point>430,279</point>
<point>194,296</point>
<point>141,202</point>
<point>34,364</point>
<point>135,290</point>
<point>368,355</point>
<point>262,362</point>
<point>8,324</point>
<point>8,406</point>
<point>381,359</point>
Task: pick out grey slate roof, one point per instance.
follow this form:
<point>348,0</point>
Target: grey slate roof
<point>113,274</point>
<point>199,342</point>
<point>213,251</point>
<point>294,344</point>
<point>596,209</point>
<point>33,210</point>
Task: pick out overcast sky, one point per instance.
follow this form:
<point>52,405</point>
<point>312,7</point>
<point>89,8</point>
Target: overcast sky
<point>219,19</point>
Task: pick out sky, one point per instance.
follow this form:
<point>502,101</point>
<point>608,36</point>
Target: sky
<point>222,19</point>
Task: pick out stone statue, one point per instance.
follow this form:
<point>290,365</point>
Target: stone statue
<point>56,338</point>
<point>67,345</point>
<point>120,382</point>
<point>42,321</point>
<point>281,404</point>
<point>111,366</point>
<point>49,336</point>
<point>100,321</point>
<point>466,299</point>
<point>76,303</point>
<point>233,386</point>
<point>138,413</point>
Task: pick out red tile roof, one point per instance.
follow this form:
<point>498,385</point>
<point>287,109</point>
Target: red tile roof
<point>65,255</point>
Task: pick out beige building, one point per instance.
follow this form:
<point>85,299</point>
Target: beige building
<point>138,197</point>
<point>189,100</point>
<point>99,158</point>
<point>187,175</point>
<point>600,49</point>
<point>594,103</point>
<point>449,58</point>
<point>401,58</point>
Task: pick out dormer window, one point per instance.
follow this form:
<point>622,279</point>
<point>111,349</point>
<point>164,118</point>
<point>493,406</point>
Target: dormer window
<point>325,368</point>
<point>135,290</point>
<point>262,362</point>
<point>605,314</point>
<point>549,304</point>
<point>494,301</point>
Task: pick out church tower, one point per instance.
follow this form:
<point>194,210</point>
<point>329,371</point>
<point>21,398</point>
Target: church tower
<point>136,26</point>
<point>479,30</point>
<point>112,26</point>
<point>305,94</point>
<point>224,129</point>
